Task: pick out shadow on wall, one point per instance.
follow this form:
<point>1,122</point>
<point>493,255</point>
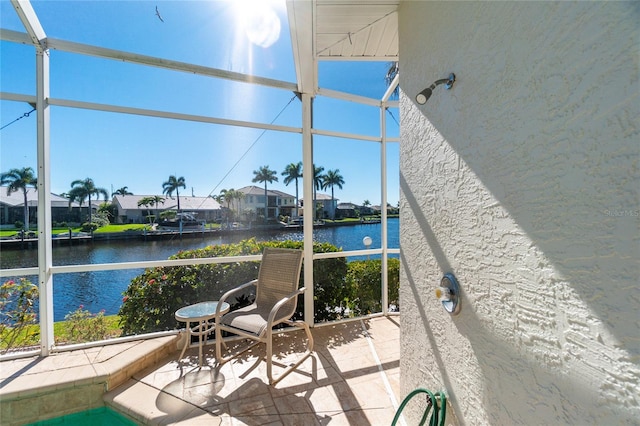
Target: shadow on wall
<point>556,148</point>
<point>435,358</point>
<point>502,367</point>
<point>505,370</point>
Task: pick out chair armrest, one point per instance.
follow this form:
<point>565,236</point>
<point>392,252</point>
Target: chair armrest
<point>231,292</point>
<point>281,302</point>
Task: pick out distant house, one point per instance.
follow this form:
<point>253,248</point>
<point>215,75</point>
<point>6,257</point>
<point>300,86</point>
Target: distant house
<point>12,207</point>
<point>278,202</point>
<point>347,210</point>
<point>327,204</point>
<point>205,208</point>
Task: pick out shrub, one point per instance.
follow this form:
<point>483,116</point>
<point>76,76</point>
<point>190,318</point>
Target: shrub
<point>340,289</point>
<point>150,301</point>
<point>364,281</point>
<point>89,227</point>
<point>17,312</point>
<point>83,326</point>
<point>18,224</point>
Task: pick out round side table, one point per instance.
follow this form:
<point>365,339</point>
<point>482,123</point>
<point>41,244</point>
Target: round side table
<point>201,315</point>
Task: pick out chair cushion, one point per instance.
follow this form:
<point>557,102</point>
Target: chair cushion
<point>251,319</point>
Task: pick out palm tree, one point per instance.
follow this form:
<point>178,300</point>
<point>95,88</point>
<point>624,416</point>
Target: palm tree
<point>226,196</point>
<point>152,200</point>
<point>293,172</point>
<point>19,179</point>
<point>317,184</point>
<point>174,184</point>
<point>331,179</point>
<point>122,191</point>
<point>83,189</point>
<point>238,196</point>
<point>264,175</point>
<point>366,204</point>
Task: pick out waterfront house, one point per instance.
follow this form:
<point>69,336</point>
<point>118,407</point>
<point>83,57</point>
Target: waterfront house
<point>278,203</point>
<point>325,205</point>
<point>129,211</point>
<point>12,208</point>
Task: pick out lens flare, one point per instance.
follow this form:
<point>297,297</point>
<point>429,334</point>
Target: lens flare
<point>259,21</point>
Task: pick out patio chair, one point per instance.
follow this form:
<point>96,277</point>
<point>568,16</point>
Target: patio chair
<point>276,298</point>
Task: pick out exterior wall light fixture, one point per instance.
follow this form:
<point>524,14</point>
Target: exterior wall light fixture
<point>424,96</point>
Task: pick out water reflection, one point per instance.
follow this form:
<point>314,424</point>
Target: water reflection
<point>102,290</point>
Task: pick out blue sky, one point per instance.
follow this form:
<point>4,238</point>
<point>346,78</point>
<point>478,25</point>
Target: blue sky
<point>117,150</point>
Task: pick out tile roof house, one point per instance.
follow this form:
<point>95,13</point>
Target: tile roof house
<point>328,204</point>
<point>11,207</point>
<point>279,203</point>
<point>205,208</point>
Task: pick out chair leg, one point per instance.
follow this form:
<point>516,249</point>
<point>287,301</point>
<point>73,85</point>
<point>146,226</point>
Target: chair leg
<point>307,353</point>
<point>269,355</point>
<point>218,345</point>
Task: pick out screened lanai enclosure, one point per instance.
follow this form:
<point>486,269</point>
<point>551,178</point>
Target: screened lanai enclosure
<point>185,101</point>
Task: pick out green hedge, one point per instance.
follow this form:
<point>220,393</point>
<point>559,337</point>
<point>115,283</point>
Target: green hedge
<point>364,281</point>
<point>340,288</point>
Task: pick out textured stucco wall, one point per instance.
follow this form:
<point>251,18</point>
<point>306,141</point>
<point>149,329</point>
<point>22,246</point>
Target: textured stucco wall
<point>522,180</point>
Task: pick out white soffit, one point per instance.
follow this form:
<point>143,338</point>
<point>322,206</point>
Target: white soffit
<point>341,30</point>
<point>356,30</point>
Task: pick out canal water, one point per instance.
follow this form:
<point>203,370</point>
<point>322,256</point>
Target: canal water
<point>102,290</point>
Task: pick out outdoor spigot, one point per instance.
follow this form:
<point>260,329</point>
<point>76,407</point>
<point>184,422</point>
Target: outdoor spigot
<point>449,293</point>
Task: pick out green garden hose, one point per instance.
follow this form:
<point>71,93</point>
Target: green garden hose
<point>439,410</point>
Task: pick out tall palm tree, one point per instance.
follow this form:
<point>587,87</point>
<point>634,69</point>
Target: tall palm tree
<point>317,184</point>
<point>264,175</point>
<point>231,195</point>
<point>174,184</point>
<point>293,172</point>
<point>82,189</point>
<point>366,204</point>
<point>331,179</point>
<point>19,179</point>
<point>122,191</point>
<point>152,200</point>
<point>226,196</point>
<point>238,196</point>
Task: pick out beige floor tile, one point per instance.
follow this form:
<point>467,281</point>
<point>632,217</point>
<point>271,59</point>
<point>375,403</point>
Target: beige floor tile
<point>108,352</point>
<point>242,390</point>
<point>17,367</point>
<point>350,418</point>
<point>199,417</point>
<point>22,385</point>
<point>346,398</point>
<point>324,402</point>
<point>370,393</point>
<point>298,419</point>
<point>67,376</point>
<point>340,384</point>
<point>258,409</point>
<point>293,403</point>
<point>149,405</point>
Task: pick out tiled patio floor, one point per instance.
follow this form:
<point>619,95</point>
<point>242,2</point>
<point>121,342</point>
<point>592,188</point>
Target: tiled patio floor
<point>352,378</point>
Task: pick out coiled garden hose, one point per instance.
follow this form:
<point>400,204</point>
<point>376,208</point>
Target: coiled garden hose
<point>439,408</point>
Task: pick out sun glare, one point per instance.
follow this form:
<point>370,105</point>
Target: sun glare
<point>259,21</point>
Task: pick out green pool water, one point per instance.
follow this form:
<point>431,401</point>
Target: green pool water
<point>102,416</point>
